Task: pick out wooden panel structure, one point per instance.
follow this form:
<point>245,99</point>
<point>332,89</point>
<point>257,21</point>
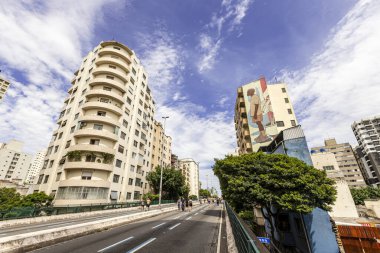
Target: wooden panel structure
<point>360,239</point>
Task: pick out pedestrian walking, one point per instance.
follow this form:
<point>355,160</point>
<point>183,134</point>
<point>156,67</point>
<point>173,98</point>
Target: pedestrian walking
<point>179,203</point>
<point>183,205</point>
<point>190,204</point>
<point>142,204</point>
<point>148,203</point>
<point>217,201</point>
<point>187,204</point>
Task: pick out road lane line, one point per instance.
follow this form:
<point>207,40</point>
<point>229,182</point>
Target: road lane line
<point>177,216</point>
<point>220,231</point>
<point>141,245</point>
<point>176,225</point>
<point>113,245</point>
<point>159,225</point>
<point>195,213</point>
<point>188,218</point>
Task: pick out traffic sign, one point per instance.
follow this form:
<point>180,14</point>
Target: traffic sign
<point>264,240</point>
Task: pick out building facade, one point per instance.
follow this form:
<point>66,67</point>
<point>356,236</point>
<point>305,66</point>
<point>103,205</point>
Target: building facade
<point>14,164</point>
<point>190,170</point>
<point>174,161</point>
<point>4,85</point>
<point>367,133</point>
<point>344,205</point>
<point>35,167</point>
<point>346,160</point>
<point>161,148</point>
<point>100,151</point>
<point>261,111</point>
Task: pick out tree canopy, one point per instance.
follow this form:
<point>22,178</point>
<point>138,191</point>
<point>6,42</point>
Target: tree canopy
<point>204,193</point>
<point>173,182</point>
<point>264,180</point>
<point>10,198</point>
<point>365,193</point>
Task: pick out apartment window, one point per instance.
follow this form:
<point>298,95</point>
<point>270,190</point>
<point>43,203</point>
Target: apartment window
<point>129,101</point>
<point>118,163</point>
<point>290,111</point>
<point>135,143</point>
<point>117,48</point>
<point>133,71</point>
<point>60,135</point>
<point>137,133</point>
<point>328,167</point>
<point>132,80</point>
<point>122,135</point>
<point>90,158</point>
<point>121,149</point>
<point>293,122</point>
<point>101,113</point>
<point>90,70</point>
<point>129,195</point>
<point>130,181</point>
<point>112,66</point>
<point>132,168</point>
<point>76,115</point>
<point>144,76</point>
<point>107,88</point>
<point>110,77</point>
<point>68,111</point>
<point>139,111</point>
<point>50,149</point>
<point>72,129</point>
<point>40,178</point>
<point>56,149</point>
<point>51,163</point>
<point>94,141</point>
<point>58,177</point>
<point>104,100</point>
<point>280,123</point>
<point>86,175</point>
<point>80,103</point>
<point>46,179</point>
<point>116,178</point>
<point>68,144</point>
<point>286,100</point>
<point>283,90</point>
<point>133,155</point>
<point>125,123</point>
<point>98,127</point>
<point>84,91</point>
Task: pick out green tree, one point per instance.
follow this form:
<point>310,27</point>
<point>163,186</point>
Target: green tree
<point>263,180</point>
<point>37,199</point>
<point>9,198</point>
<point>204,193</point>
<point>173,182</point>
<point>361,194</point>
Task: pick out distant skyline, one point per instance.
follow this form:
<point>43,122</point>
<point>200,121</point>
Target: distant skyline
<point>196,54</point>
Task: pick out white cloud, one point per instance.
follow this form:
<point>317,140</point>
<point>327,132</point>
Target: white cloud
<point>342,82</point>
<point>223,101</point>
<point>42,42</point>
<point>230,15</point>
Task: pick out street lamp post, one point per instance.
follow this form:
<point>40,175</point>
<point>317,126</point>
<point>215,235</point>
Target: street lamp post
<point>162,161</point>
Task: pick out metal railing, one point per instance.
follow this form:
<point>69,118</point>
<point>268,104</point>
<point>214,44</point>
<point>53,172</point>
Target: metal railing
<point>245,240</point>
<point>29,212</point>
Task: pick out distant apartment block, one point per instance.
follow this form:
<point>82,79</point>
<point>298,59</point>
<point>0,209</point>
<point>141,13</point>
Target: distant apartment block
<point>4,85</point>
<point>14,163</point>
<point>344,205</point>
<point>261,111</point>
<point>190,170</point>
<point>100,151</point>
<point>346,160</point>
<point>367,133</point>
<point>161,148</point>
<point>35,167</point>
<point>174,161</point>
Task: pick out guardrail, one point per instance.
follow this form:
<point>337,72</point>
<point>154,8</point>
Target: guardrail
<point>29,212</point>
<point>245,240</point>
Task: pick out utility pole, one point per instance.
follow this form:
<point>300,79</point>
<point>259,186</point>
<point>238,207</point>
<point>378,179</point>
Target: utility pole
<point>162,162</point>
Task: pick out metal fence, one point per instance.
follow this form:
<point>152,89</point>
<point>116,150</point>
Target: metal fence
<point>245,240</point>
<point>29,212</point>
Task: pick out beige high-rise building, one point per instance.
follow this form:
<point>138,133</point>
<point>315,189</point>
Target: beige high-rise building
<point>161,148</point>
<point>261,112</point>
<point>346,160</point>
<point>35,167</point>
<point>100,151</point>
<point>190,170</point>
<point>14,163</point>
<point>344,205</point>
<point>4,85</point>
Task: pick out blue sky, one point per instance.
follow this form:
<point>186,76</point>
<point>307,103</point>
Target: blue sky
<point>196,53</point>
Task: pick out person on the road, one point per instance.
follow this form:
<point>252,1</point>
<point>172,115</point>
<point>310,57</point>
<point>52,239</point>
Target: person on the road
<point>179,203</point>
<point>148,203</point>
<point>190,205</point>
<point>217,201</point>
<point>142,204</point>
<point>183,205</point>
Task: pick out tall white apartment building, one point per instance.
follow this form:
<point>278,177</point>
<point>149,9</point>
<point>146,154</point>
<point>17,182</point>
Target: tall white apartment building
<point>100,151</point>
<point>367,133</point>
<point>261,112</point>
<point>190,170</point>
<point>4,85</point>
<point>14,164</point>
<point>35,167</point>
<point>161,148</point>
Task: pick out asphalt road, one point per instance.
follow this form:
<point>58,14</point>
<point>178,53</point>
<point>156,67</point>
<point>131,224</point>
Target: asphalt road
<point>195,231</point>
<point>27,228</point>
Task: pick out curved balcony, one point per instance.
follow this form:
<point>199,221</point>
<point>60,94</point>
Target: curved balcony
<point>108,82</point>
<point>96,133</point>
<point>91,148</point>
<point>100,119</point>
<point>105,93</point>
<point>113,51</point>
<point>103,106</point>
<point>88,165</point>
<point>88,183</point>
<point>114,61</point>
<point>110,71</point>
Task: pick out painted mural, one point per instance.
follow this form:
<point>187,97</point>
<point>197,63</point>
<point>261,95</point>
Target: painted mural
<point>261,121</point>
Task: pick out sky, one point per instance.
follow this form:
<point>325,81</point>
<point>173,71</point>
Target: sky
<point>196,54</point>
